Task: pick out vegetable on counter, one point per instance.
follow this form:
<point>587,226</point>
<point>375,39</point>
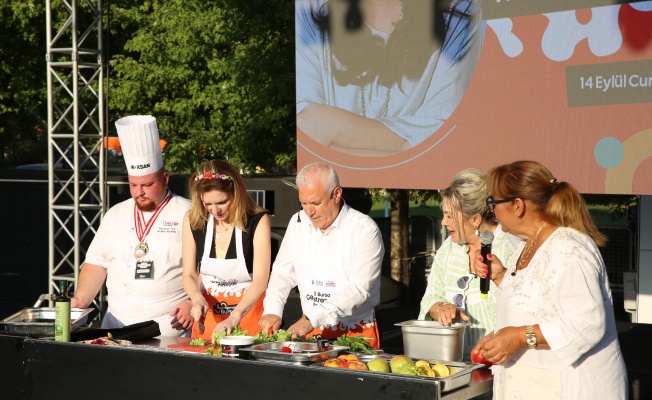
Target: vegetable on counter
<point>358,344</point>
<point>212,351</point>
<point>236,331</point>
<point>198,342</point>
<point>215,349</point>
<point>280,335</point>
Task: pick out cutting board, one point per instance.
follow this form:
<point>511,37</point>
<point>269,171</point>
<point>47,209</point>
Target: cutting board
<point>188,347</point>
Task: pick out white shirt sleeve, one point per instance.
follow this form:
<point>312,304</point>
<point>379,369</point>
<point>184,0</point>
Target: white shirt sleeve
<point>283,277</point>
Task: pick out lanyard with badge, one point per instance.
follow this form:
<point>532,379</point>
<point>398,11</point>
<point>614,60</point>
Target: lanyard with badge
<point>326,272</point>
<point>144,259</point>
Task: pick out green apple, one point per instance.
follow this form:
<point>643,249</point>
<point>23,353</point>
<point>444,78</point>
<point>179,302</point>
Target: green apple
<point>407,369</point>
<point>398,361</point>
<point>378,364</point>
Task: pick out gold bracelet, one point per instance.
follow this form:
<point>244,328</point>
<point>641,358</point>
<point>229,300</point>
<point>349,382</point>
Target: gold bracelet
<point>443,303</point>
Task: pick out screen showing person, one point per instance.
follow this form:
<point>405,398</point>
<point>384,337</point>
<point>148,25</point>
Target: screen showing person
<point>378,77</point>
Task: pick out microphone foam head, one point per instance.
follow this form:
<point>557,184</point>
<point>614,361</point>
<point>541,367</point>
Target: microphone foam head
<point>486,237</point>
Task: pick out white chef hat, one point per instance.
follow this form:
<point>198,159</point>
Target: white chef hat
<point>140,144</point>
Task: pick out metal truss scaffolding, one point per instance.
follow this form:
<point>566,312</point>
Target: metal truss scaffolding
<point>76,130</point>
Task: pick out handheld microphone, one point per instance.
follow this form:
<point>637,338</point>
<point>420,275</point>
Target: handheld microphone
<point>486,237</point>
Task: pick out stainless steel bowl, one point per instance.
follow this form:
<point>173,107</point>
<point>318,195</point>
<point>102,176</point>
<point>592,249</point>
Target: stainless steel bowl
<point>429,340</point>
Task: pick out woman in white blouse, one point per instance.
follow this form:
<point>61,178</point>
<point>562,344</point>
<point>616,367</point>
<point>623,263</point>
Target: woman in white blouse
<point>555,335</point>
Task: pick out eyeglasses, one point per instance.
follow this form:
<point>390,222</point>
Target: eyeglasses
<point>463,283</point>
<point>491,203</point>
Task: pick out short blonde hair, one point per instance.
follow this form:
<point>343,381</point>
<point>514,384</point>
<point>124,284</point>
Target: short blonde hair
<point>467,194</point>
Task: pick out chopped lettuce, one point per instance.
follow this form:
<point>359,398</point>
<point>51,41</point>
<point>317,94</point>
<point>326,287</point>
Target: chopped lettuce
<point>236,331</point>
<point>198,342</point>
<point>214,351</point>
<point>280,335</point>
<point>216,337</point>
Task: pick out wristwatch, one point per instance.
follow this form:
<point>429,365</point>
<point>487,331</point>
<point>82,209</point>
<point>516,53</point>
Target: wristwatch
<point>530,337</point>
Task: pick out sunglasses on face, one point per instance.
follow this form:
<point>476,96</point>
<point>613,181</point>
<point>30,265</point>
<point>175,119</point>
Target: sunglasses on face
<point>463,283</point>
<point>491,202</point>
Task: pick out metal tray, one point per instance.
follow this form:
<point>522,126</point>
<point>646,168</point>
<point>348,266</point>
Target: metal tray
<point>461,375</point>
<point>39,321</point>
<point>306,352</point>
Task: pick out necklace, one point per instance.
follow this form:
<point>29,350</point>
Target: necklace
<point>385,105</point>
<point>528,251</point>
<point>218,234</point>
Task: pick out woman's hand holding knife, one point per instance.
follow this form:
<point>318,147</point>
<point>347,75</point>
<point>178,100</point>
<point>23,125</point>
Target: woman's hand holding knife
<point>199,310</point>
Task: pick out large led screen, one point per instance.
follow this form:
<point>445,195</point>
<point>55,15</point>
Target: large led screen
<point>403,94</point>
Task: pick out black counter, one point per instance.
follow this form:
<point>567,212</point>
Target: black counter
<point>39,369</point>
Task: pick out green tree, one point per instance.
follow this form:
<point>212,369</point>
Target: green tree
<point>219,77</point>
<point>399,235</point>
<point>23,92</point>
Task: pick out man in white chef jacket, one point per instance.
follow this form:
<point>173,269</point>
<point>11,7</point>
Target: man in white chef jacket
<point>137,249</point>
<point>333,253</point>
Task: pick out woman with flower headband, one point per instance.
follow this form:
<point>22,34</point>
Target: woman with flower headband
<point>555,335</point>
<point>226,252</point>
<point>453,291</point>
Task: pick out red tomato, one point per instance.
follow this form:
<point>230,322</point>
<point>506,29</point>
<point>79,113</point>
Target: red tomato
<point>478,359</point>
<point>286,349</point>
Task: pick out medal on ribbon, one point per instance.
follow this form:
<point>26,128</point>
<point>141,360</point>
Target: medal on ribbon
<point>142,228</point>
<point>141,249</point>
